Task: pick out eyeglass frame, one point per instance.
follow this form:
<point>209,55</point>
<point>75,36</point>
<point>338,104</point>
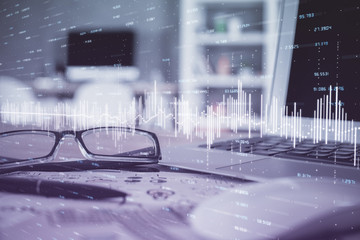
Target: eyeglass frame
<point>60,135</point>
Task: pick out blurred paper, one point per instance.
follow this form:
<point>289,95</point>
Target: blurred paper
<point>159,206</point>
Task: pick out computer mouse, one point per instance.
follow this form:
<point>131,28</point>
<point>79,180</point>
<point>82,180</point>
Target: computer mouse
<point>295,208</point>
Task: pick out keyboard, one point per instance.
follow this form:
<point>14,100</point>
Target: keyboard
<point>332,152</point>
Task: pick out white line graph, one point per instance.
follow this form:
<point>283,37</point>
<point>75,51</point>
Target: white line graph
<point>180,116</point>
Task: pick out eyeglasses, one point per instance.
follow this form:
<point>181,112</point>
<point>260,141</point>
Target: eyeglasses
<point>119,144</point>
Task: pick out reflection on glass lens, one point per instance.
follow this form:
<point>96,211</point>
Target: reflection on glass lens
<point>117,142</point>
<point>25,145</point>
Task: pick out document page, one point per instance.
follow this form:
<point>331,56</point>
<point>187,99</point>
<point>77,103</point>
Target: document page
<point>158,205</point>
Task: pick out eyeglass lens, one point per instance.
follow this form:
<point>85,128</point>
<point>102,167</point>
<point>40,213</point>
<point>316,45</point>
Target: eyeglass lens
<point>26,145</point>
<point>115,142</point>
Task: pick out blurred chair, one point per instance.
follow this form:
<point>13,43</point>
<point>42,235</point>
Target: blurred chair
<point>15,91</point>
<point>16,101</point>
<point>103,104</point>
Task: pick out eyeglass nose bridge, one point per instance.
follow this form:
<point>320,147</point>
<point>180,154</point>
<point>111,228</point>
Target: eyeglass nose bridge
<point>67,133</point>
<point>73,135</point>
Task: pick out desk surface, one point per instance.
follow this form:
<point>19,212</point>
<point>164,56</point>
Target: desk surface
<point>159,206</point>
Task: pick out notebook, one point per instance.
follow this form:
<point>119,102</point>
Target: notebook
<point>316,82</point>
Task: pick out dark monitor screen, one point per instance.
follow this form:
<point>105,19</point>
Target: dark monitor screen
<point>326,53</point>
<point>100,48</point>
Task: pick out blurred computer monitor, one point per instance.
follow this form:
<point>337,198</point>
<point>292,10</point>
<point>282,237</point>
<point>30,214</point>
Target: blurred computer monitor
<point>100,55</point>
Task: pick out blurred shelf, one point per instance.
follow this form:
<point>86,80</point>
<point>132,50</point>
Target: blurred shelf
<point>226,41</point>
<point>229,39</point>
<point>225,81</point>
<point>228,1</point>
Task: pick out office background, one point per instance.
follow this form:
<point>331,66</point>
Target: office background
<point>231,37</point>
<point>34,34</point>
<point>197,49</point>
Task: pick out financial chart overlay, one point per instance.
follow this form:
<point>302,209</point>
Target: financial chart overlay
<point>330,122</point>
